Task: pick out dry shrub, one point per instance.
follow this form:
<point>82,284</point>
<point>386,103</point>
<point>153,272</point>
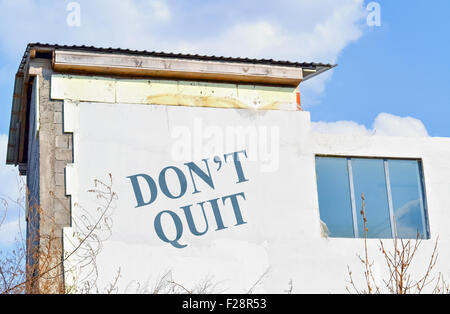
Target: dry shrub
<point>36,264</point>
<point>399,260</point>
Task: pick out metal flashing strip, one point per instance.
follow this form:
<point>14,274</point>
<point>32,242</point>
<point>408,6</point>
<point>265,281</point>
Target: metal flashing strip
<point>352,196</point>
<point>421,184</point>
<point>390,203</point>
<point>37,88</point>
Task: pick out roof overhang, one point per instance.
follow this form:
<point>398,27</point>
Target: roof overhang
<point>174,68</point>
<point>133,63</point>
<point>15,121</point>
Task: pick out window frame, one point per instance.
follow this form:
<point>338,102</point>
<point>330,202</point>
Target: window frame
<point>424,214</point>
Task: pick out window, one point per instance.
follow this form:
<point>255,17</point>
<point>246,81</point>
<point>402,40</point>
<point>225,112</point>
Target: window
<point>393,191</point>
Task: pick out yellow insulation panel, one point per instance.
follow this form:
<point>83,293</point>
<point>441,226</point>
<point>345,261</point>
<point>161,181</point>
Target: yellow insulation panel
<point>167,92</point>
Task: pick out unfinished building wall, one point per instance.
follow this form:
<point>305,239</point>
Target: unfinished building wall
<point>49,152</point>
<point>33,190</point>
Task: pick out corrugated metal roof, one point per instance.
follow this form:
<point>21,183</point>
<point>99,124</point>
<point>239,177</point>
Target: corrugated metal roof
<point>311,65</point>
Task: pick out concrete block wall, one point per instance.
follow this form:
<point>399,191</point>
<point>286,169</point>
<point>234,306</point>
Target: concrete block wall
<point>50,151</point>
<point>33,189</point>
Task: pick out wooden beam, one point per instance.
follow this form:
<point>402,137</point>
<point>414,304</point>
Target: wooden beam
<point>173,68</point>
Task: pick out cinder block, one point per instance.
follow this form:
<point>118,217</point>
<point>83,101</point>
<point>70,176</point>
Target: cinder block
<point>59,179</point>
<point>57,106</point>
<point>60,191</point>
<point>58,129</point>
<point>61,204</point>
<point>62,141</point>
<point>62,217</point>
<point>60,165</point>
<point>63,154</point>
<point>57,117</point>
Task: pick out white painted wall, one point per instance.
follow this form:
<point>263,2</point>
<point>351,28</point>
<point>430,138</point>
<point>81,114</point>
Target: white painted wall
<point>282,232</point>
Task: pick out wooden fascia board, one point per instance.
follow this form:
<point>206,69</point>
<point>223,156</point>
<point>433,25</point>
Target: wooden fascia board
<point>15,122</point>
<point>173,68</point>
<point>23,119</point>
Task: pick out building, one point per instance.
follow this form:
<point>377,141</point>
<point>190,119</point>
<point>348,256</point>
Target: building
<point>142,165</point>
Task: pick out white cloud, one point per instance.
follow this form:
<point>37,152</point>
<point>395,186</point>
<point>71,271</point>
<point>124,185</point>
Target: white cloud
<point>332,26</point>
<point>340,127</point>
<point>301,30</point>
<point>385,124</point>
<point>161,10</point>
<point>389,125</point>
<point>251,39</point>
<point>128,24</point>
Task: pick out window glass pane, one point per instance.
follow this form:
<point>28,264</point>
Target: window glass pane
<point>407,198</point>
<point>369,178</point>
<point>334,196</point>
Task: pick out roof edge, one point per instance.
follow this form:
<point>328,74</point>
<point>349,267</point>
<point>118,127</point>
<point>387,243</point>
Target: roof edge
<point>175,55</point>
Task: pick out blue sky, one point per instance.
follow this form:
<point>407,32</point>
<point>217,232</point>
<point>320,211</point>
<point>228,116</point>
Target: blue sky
<point>385,74</point>
<point>401,68</point>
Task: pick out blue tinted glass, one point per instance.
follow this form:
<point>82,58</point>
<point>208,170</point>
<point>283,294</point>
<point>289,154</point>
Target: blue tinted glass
<point>407,198</point>
<point>369,178</point>
<point>334,196</point>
